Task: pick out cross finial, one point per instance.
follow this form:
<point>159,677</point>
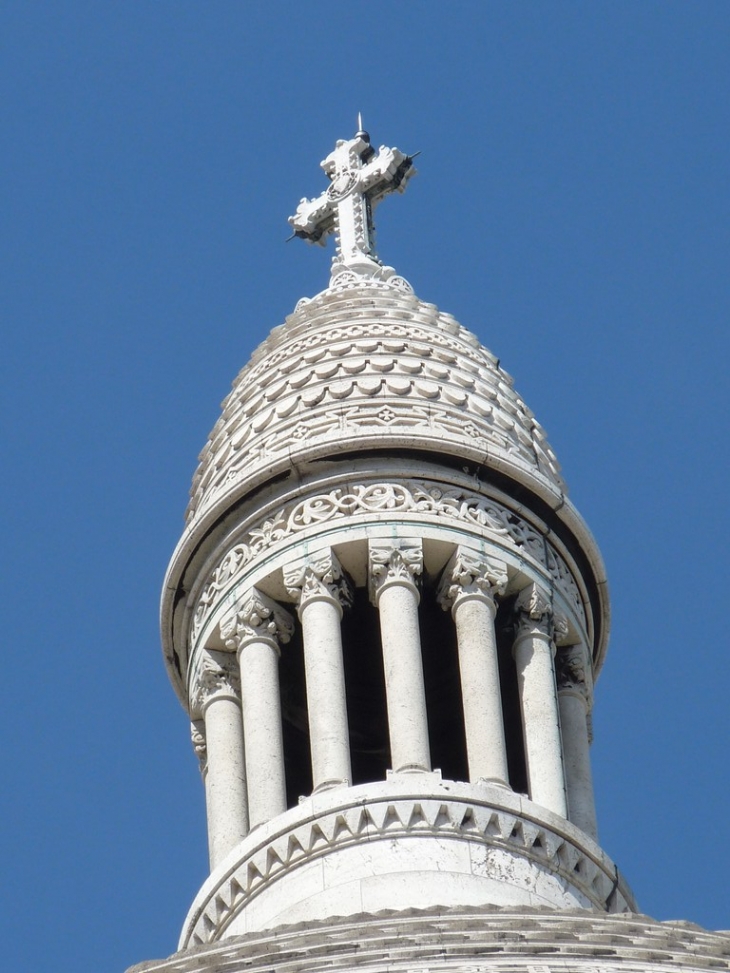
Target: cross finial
<point>359,178</point>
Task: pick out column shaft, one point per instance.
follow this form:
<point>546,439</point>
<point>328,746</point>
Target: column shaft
<point>406,697</point>
<point>480,689</point>
<point>540,722</point>
<point>225,782</point>
<point>579,780</point>
<point>261,705</point>
<point>326,700</point>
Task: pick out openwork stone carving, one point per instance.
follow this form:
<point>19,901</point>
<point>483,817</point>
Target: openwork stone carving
<point>256,617</point>
<point>319,575</point>
<point>410,498</point>
<point>217,675</point>
<point>469,573</point>
<point>399,562</point>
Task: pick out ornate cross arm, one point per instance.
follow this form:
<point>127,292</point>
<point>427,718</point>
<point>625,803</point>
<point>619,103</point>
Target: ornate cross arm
<point>359,178</point>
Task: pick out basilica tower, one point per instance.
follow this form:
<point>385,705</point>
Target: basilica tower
<point>385,619</point>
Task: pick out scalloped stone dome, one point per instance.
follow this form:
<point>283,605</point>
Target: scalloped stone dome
<point>361,367</point>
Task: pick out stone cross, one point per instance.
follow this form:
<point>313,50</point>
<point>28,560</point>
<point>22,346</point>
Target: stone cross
<point>359,178</point>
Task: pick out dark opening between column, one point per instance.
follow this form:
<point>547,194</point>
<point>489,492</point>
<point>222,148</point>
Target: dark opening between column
<point>365,686</point>
<point>512,714</point>
<point>295,723</point>
<point>442,680</point>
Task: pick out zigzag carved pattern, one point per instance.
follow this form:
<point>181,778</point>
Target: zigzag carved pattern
<point>389,819</point>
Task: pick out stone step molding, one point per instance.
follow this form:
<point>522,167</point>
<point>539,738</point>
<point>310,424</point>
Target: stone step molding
<point>504,939</point>
<point>411,838</point>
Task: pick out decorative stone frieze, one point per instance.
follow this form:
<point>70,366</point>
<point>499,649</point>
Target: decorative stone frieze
<point>394,563</point>
<point>471,573</point>
<point>377,500</point>
<point>407,499</point>
<point>318,576</point>
<point>256,617</point>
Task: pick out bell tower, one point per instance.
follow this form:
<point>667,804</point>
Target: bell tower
<point>384,616</point>
<point>385,619</point>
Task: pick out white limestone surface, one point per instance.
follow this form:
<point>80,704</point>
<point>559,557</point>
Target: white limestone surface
<point>411,839</point>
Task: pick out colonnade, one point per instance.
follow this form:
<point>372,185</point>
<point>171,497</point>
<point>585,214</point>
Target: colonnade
<point>237,692</point>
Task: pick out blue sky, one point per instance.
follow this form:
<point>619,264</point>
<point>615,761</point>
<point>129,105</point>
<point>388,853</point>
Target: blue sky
<point>572,207</point>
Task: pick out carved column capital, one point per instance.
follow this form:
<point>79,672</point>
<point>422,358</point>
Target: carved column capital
<point>256,618</point>
<point>572,672</point>
<point>533,614</point>
<point>472,574</point>
<point>216,678</point>
<point>318,577</point>
<point>394,562</point>
<point>197,737</point>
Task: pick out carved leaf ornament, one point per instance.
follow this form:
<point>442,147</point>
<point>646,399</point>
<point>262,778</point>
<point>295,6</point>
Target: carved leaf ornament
<point>405,498</point>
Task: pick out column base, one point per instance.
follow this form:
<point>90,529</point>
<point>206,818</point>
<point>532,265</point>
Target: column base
<point>411,769</point>
<point>492,782</point>
<point>328,785</point>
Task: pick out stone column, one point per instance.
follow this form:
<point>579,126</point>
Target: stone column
<point>469,585</point>
<point>319,586</point>
<point>574,700</point>
<point>197,738</point>
<point>533,651</point>
<point>215,696</point>
<point>254,629</point>
<point>394,566</point>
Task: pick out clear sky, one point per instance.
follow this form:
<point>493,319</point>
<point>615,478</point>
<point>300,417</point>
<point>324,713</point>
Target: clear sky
<point>572,207</point>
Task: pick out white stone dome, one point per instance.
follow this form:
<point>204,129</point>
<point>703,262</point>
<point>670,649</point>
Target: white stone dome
<point>366,366</point>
